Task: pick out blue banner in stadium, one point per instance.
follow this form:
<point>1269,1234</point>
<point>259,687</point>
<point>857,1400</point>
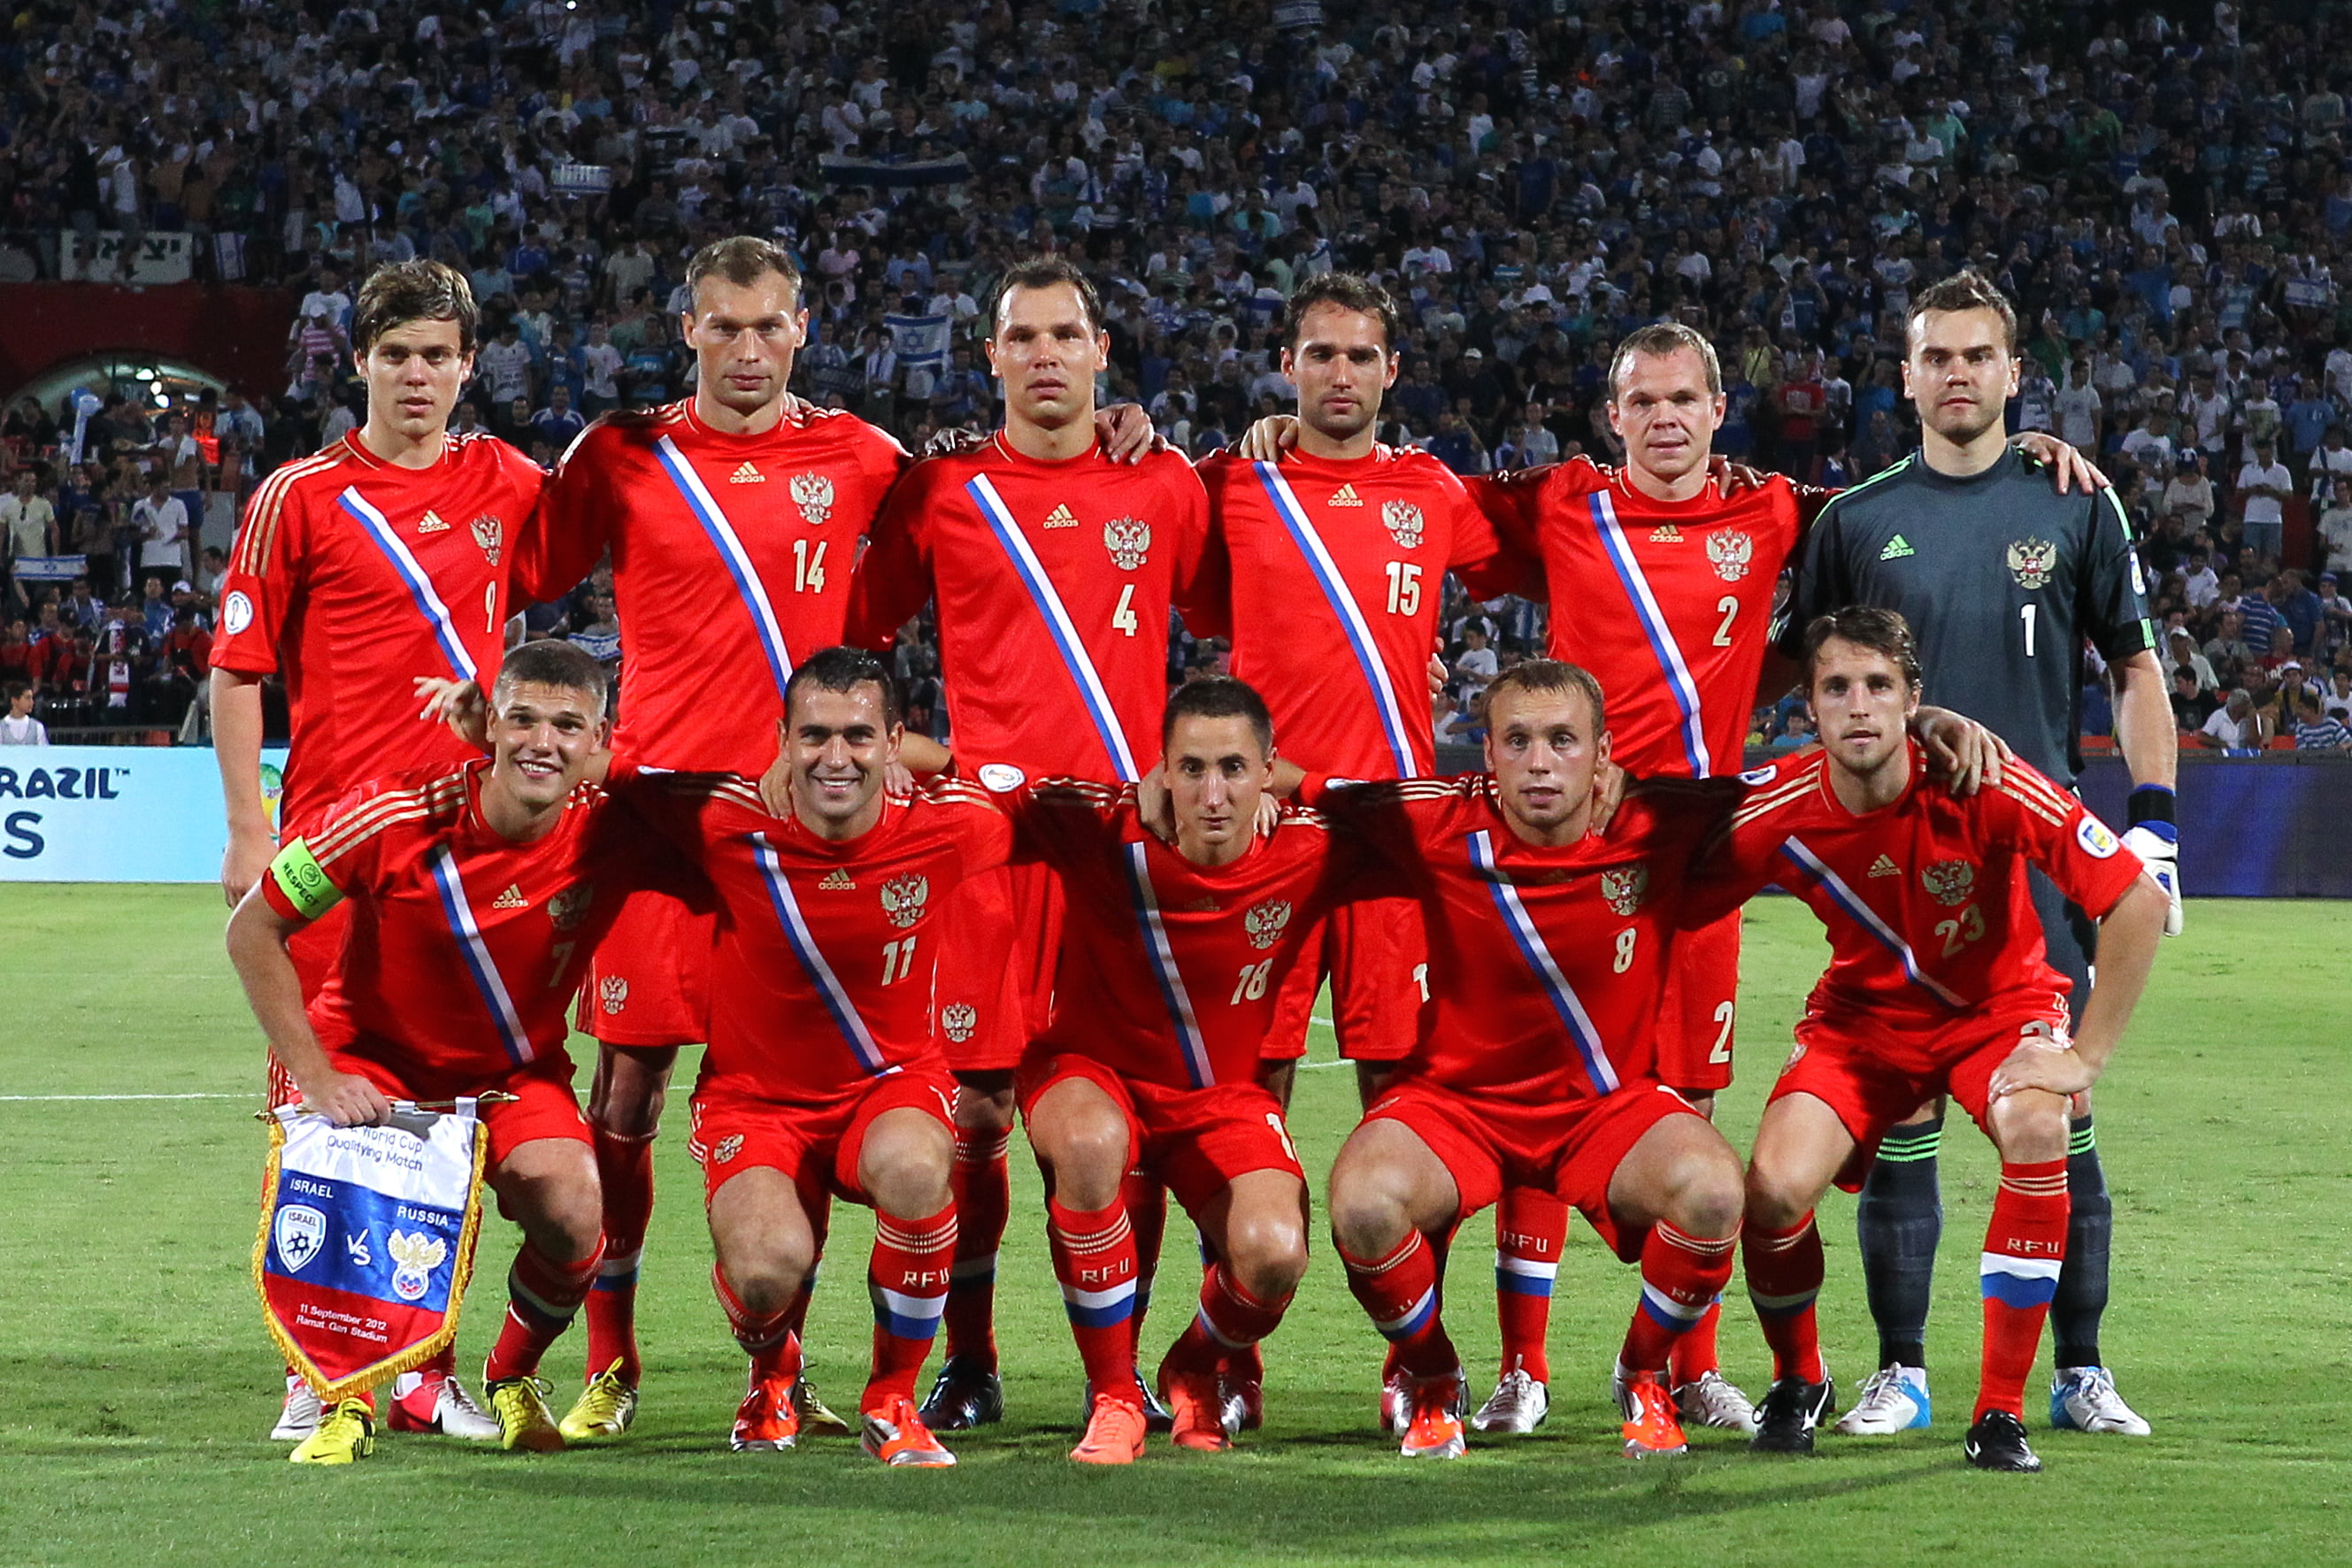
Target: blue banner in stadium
<point>116,814</point>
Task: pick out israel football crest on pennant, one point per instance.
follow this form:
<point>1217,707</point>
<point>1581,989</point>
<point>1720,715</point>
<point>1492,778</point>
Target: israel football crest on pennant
<point>1129,539</point>
<point>903,898</point>
<point>1731,551</point>
<point>405,1199</point>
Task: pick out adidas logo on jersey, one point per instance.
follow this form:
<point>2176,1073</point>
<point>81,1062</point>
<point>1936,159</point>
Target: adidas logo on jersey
<point>1885,865</point>
<point>1346,496</point>
<point>511,898</point>
<point>430,522</point>
<point>837,882</point>
<point>1665,533</point>
<point>747,475</point>
<point>1061,517</point>
<point>1897,549</point>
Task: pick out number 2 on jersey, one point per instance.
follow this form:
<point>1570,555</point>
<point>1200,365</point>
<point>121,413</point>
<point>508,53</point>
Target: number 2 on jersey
<point>1730,605</point>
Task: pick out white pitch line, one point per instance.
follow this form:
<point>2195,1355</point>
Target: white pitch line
<point>77,1098</point>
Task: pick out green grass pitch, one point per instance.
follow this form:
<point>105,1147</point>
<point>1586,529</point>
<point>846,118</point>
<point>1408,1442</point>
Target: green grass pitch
<point>135,1383</point>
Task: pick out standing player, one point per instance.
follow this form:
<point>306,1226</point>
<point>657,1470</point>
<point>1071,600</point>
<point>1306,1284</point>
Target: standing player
<point>733,518</point>
<point>1548,947</point>
<point>1329,566</point>
<point>1173,958</point>
<point>1937,984</point>
<point>2002,583</point>
<point>1053,569</point>
<point>384,555</point>
<point>823,1076</point>
<point>469,886</point>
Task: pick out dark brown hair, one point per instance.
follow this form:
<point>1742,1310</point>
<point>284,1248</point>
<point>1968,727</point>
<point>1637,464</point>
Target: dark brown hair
<point>1043,272</point>
<point>1348,291</point>
<point>400,292</point>
<point>1219,697</point>
<point>1968,290</point>
<point>845,669</point>
<point>1865,626</point>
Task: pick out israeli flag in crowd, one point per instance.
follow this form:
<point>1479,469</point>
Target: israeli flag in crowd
<point>367,1239</point>
<point>920,341</point>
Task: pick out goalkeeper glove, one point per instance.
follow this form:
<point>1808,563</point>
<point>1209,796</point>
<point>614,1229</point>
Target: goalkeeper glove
<point>2155,837</point>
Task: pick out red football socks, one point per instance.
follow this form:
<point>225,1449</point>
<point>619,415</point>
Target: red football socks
<point>2025,1246</point>
<point>1784,1279</point>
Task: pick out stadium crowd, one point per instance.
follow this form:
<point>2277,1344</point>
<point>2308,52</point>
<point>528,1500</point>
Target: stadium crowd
<point>2167,205</point>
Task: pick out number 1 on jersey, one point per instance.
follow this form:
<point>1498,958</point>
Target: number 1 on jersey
<point>2025,614</point>
<point>1405,588</point>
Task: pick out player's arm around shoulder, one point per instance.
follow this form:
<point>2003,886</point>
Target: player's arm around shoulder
<point>892,578</point>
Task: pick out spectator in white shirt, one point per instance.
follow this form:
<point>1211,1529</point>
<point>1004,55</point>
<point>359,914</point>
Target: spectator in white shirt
<point>2235,724</point>
<point>2189,494</point>
<point>2198,583</point>
<point>28,523</point>
<point>161,520</point>
<point>2265,484</point>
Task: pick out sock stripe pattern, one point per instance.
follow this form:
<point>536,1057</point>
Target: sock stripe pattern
<point>2024,1251</point>
<point>907,1275</point>
<point>754,1332</point>
<point>1524,1276</point>
<point>1671,1304</point>
<point>1232,1317</point>
<point>1905,1145</point>
<point>1094,1263</point>
<point>1399,1289</point>
<point>542,1297</point>
<point>1784,1281</point>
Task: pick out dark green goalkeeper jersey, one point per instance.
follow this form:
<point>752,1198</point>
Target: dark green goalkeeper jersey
<point>2003,580</point>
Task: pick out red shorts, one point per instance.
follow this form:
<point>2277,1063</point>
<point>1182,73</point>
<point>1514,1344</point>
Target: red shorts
<point>1696,1010</point>
<point>993,992</point>
<point>1376,953</point>
<point>544,1105</point>
<point>1845,1071</point>
<point>818,1143</point>
<point>1572,1151</point>
<point>1195,1140</point>
<point>649,983</point>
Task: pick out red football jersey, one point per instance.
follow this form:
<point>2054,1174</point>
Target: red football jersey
<point>1054,584</point>
<point>463,948</point>
<point>822,974</point>
<point>350,577</point>
<point>1170,972</point>
<point>1545,965</point>
<point>1328,576</point>
<point>731,560</point>
<point>1927,900</point>
<point>1667,603</point>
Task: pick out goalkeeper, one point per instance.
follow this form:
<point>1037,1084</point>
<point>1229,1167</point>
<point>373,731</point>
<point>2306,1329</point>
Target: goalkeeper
<point>2004,582</point>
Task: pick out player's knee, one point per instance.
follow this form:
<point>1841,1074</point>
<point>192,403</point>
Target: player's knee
<point>1267,1254</point>
<point>908,1177</point>
<point>1086,1157</point>
<point>1708,1195</point>
<point>766,1283</point>
<point>1367,1218</point>
<point>1772,1201</point>
<point>2030,1126</point>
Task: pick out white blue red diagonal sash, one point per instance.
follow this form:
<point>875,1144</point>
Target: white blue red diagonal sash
<point>828,985</point>
<point>380,532</point>
<point>1841,893</point>
<point>732,555</point>
<point>1157,948</point>
<point>1564,1000</point>
<point>1041,593</point>
<point>1336,593</point>
<point>492,987</point>
<point>1669,653</point>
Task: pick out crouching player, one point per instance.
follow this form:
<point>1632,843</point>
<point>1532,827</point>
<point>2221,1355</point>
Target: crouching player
<point>1937,985</point>
<point>1172,956</point>
<point>469,889</point>
<point>821,1076</point>
<point>1548,947</point>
